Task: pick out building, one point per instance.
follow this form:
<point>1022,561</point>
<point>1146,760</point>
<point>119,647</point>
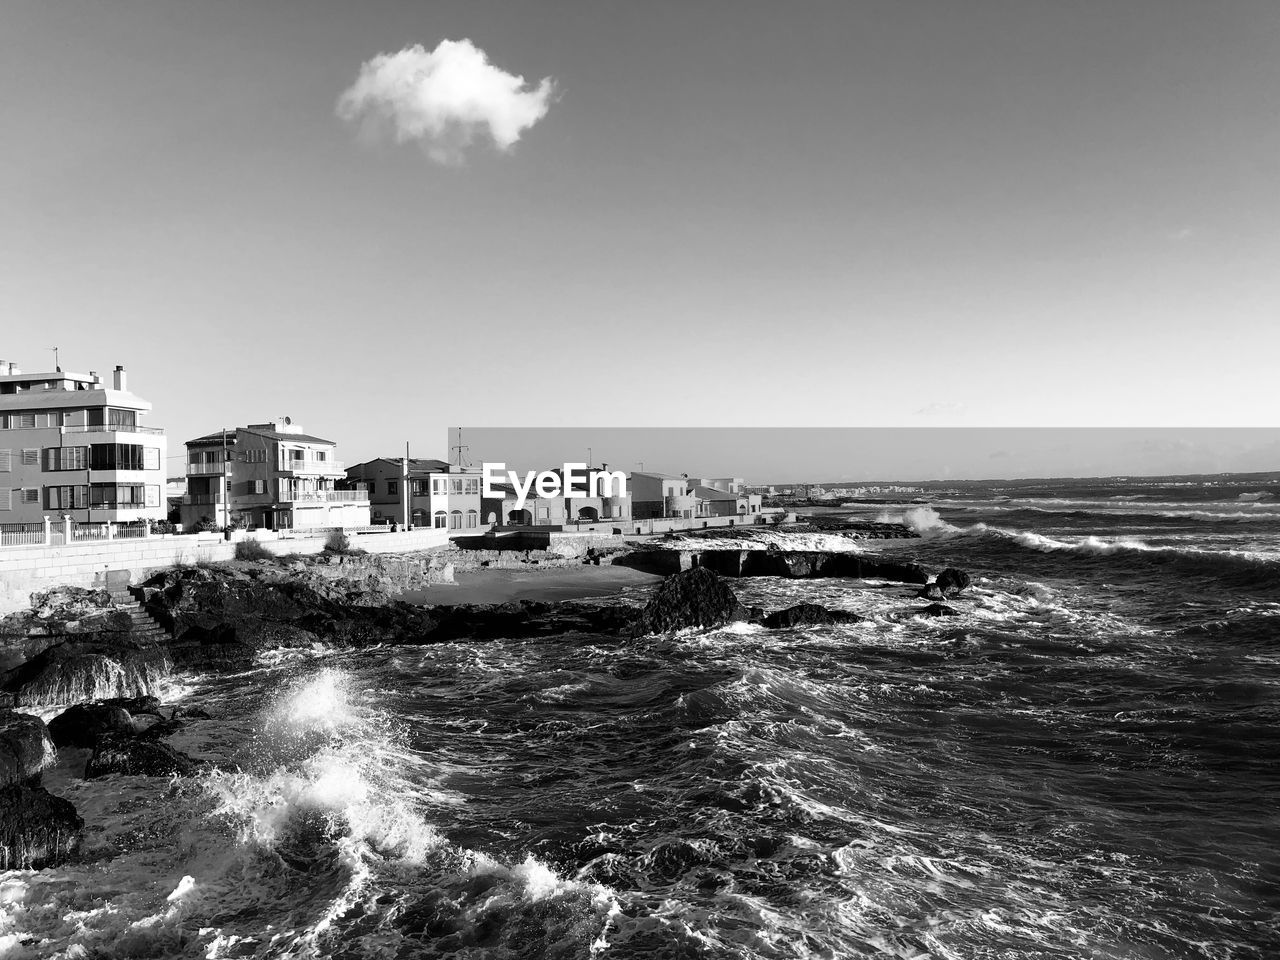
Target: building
<point>659,495</point>
<point>656,495</point>
<point>270,475</point>
<point>72,446</point>
<point>558,511</point>
<point>441,495</point>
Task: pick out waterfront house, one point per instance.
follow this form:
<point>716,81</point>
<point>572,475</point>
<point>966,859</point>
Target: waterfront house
<point>70,445</point>
<point>271,475</point>
<point>557,511</point>
<point>441,495</point>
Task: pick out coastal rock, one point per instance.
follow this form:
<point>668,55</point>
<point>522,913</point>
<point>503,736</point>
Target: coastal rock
<point>937,610</point>
<point>693,598</point>
<point>137,757</point>
<point>74,671</point>
<point>931,592</point>
<point>25,747</point>
<point>808,614</point>
<point>951,581</point>
<point>37,829</point>
<point>86,723</point>
<point>795,564</point>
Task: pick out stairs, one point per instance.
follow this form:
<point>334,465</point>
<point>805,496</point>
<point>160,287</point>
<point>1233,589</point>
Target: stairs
<point>144,627</point>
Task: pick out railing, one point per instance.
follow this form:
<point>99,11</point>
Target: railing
<point>82,532</point>
<point>327,496</point>
<point>130,531</point>
<point>201,499</point>
<point>312,466</point>
<point>21,534</point>
<point>113,428</point>
<point>197,469</point>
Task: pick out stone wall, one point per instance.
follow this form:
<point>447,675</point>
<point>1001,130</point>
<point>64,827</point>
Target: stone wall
<point>24,570</point>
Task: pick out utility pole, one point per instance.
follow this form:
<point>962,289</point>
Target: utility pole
<point>590,461</point>
<point>459,447</point>
<point>640,464</point>
<point>226,488</point>
<point>57,367</point>
<point>404,487</point>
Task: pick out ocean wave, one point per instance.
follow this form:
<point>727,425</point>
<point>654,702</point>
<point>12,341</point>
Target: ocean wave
<point>1238,567</point>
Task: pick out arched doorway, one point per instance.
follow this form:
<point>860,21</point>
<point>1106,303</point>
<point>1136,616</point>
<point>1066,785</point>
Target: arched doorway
<point>520,518</point>
<point>588,513</point>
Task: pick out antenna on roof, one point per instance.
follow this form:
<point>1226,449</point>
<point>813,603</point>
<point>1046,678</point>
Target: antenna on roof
<point>460,449</point>
<point>56,367</point>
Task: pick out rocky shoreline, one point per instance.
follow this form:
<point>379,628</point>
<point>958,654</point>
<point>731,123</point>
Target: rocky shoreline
<point>105,659</point>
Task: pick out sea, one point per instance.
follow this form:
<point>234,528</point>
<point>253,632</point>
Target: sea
<point>1082,762</point>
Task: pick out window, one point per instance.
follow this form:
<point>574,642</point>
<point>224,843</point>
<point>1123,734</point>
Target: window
<point>122,418</point>
<point>439,486</point>
<point>259,486</point>
<point>418,488</point>
<point>111,496</point>
<point>30,458</point>
<point>117,456</point>
<point>6,461</point>
<point>473,485</point>
<point>6,496</point>
<point>29,496</point>
<point>393,486</point>
<point>473,518</point>
<point>66,458</point>
<point>150,458</point>
<point>66,498</point>
<point>455,520</point>
<point>441,520</point>
<point>152,495</point>
<point>455,485</point>
<point>322,456</point>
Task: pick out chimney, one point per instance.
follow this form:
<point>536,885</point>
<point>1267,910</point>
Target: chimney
<point>119,380</point>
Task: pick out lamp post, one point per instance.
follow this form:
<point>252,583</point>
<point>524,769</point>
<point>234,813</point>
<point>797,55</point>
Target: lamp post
<point>226,489</point>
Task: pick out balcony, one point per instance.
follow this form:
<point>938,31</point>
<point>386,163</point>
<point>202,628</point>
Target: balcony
<point>201,499</point>
<point>334,467</point>
<point>326,496</point>
<point>114,428</point>
<point>208,469</point>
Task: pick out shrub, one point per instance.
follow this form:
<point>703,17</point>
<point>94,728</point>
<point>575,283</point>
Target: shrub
<point>205,525</point>
<point>251,549</point>
<point>163,526</point>
<point>338,542</point>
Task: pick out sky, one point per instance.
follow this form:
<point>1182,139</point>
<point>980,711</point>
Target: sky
<point>771,455</point>
<point>385,219</point>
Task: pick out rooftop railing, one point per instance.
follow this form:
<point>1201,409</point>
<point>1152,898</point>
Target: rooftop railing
<point>113,428</point>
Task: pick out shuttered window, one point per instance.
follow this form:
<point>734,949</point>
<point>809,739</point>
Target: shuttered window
<point>30,458</point>
<point>5,498</point>
<point>6,461</point>
<point>30,496</point>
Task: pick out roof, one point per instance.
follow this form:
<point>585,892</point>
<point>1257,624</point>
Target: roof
<point>711,493</point>
<point>258,432</point>
<point>418,465</point>
<point>660,476</point>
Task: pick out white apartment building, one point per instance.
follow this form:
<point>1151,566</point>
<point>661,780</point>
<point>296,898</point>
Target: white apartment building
<point>72,446</point>
<point>271,475</point>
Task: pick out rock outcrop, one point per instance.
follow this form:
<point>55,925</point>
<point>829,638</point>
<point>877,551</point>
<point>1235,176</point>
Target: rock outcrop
<point>37,829</point>
<point>85,724</point>
<point>25,747</point>
<point>806,615</point>
<point>779,563</point>
<point>693,598</point>
<point>138,756</point>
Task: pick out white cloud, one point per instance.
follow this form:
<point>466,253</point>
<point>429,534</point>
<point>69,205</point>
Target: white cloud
<point>443,98</point>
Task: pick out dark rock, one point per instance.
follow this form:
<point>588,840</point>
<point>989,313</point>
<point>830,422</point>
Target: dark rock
<point>951,581</point>
<point>693,598</point>
<point>25,747</point>
<point>86,723</point>
<point>786,563</point>
<point>136,705</point>
<point>74,671</point>
<point>808,614</point>
<point>937,610</point>
<point>137,757</point>
<point>37,829</point>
